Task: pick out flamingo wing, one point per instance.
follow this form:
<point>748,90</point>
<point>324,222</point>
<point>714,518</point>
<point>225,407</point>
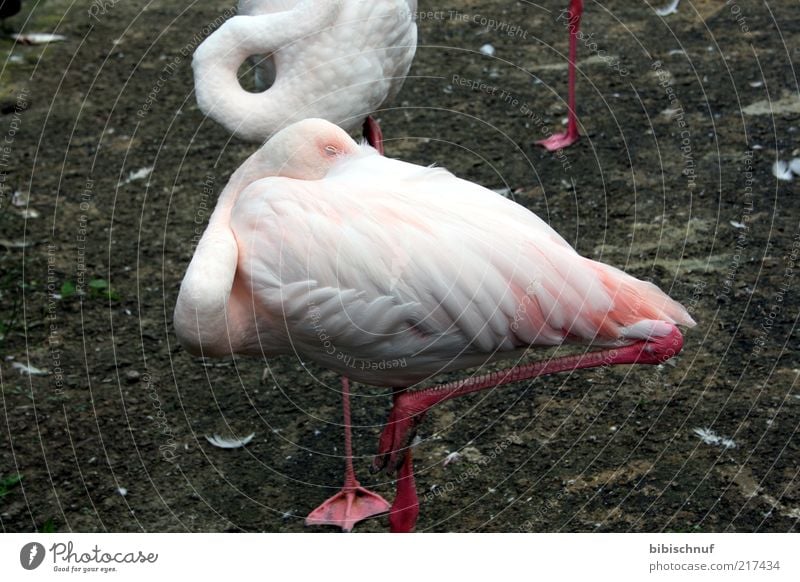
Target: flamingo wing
<point>417,263</point>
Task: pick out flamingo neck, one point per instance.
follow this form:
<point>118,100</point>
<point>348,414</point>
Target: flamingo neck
<point>207,321</point>
<point>213,315</point>
<point>217,60</point>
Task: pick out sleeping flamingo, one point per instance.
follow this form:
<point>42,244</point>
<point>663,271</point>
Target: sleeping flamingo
<point>389,273</point>
<point>338,60</point>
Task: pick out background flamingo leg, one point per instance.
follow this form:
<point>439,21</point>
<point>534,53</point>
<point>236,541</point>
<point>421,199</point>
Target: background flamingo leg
<point>561,140</point>
<point>373,134</point>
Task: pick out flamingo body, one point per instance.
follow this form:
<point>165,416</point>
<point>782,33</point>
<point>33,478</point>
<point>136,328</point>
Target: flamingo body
<point>334,60</point>
<point>389,272</point>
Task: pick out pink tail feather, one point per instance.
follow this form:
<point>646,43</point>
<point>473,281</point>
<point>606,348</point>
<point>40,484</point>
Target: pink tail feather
<point>639,307</point>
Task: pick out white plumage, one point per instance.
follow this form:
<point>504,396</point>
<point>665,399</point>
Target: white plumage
<point>322,247</point>
<point>339,60</point>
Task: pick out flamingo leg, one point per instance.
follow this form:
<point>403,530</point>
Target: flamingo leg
<point>561,140</point>
<point>373,134</point>
<point>353,503</point>
<point>410,407</point>
<point>405,509</point>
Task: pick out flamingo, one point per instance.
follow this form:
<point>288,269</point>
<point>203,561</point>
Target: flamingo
<point>337,60</point>
<point>389,273</point>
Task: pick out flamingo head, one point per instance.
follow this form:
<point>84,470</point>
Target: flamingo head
<point>307,149</point>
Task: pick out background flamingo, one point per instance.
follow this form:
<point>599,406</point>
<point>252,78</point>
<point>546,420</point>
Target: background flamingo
<point>339,61</point>
<point>406,266</point>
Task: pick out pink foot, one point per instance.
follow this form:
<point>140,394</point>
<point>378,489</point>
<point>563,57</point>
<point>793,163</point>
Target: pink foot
<point>559,141</point>
<point>348,507</point>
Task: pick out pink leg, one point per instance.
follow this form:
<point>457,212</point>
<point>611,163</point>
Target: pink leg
<point>373,134</point>
<point>410,407</point>
<point>561,140</point>
<point>405,509</point>
<point>353,503</point>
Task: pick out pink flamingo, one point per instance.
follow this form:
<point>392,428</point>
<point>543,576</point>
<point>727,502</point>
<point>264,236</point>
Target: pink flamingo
<point>339,61</point>
<point>389,273</point>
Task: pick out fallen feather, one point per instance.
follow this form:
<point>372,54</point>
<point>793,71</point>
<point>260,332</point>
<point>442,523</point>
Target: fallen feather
<point>28,369</point>
<point>19,199</point>
<point>488,49</point>
<point>709,437</point>
<point>224,443</point>
<point>672,8</point>
<point>15,244</point>
<point>780,170</point>
<point>139,174</point>
<point>38,38</point>
<point>453,457</point>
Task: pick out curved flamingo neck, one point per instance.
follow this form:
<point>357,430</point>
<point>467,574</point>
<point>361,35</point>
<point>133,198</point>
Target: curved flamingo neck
<point>213,316</point>
<point>217,60</point>
<point>206,320</point>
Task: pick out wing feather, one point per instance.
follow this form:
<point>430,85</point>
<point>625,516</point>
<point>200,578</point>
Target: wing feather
<point>418,261</point>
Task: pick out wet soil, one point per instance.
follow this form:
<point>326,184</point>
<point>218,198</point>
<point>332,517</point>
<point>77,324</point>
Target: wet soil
<point>682,118</point>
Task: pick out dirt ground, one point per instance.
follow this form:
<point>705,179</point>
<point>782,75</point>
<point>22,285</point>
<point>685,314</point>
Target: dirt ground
<point>682,118</point>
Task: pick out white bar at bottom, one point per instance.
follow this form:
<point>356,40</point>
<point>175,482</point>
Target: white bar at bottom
<point>386,557</point>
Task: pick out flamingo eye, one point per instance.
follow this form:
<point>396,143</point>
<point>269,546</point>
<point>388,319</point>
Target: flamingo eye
<point>331,151</point>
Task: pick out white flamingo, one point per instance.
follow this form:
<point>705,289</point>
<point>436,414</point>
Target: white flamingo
<point>339,60</point>
<point>389,273</point>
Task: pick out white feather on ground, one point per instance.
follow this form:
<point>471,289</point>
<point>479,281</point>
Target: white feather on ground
<point>28,369</point>
<point>780,170</point>
<point>224,443</point>
<point>709,437</point>
<point>672,8</point>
